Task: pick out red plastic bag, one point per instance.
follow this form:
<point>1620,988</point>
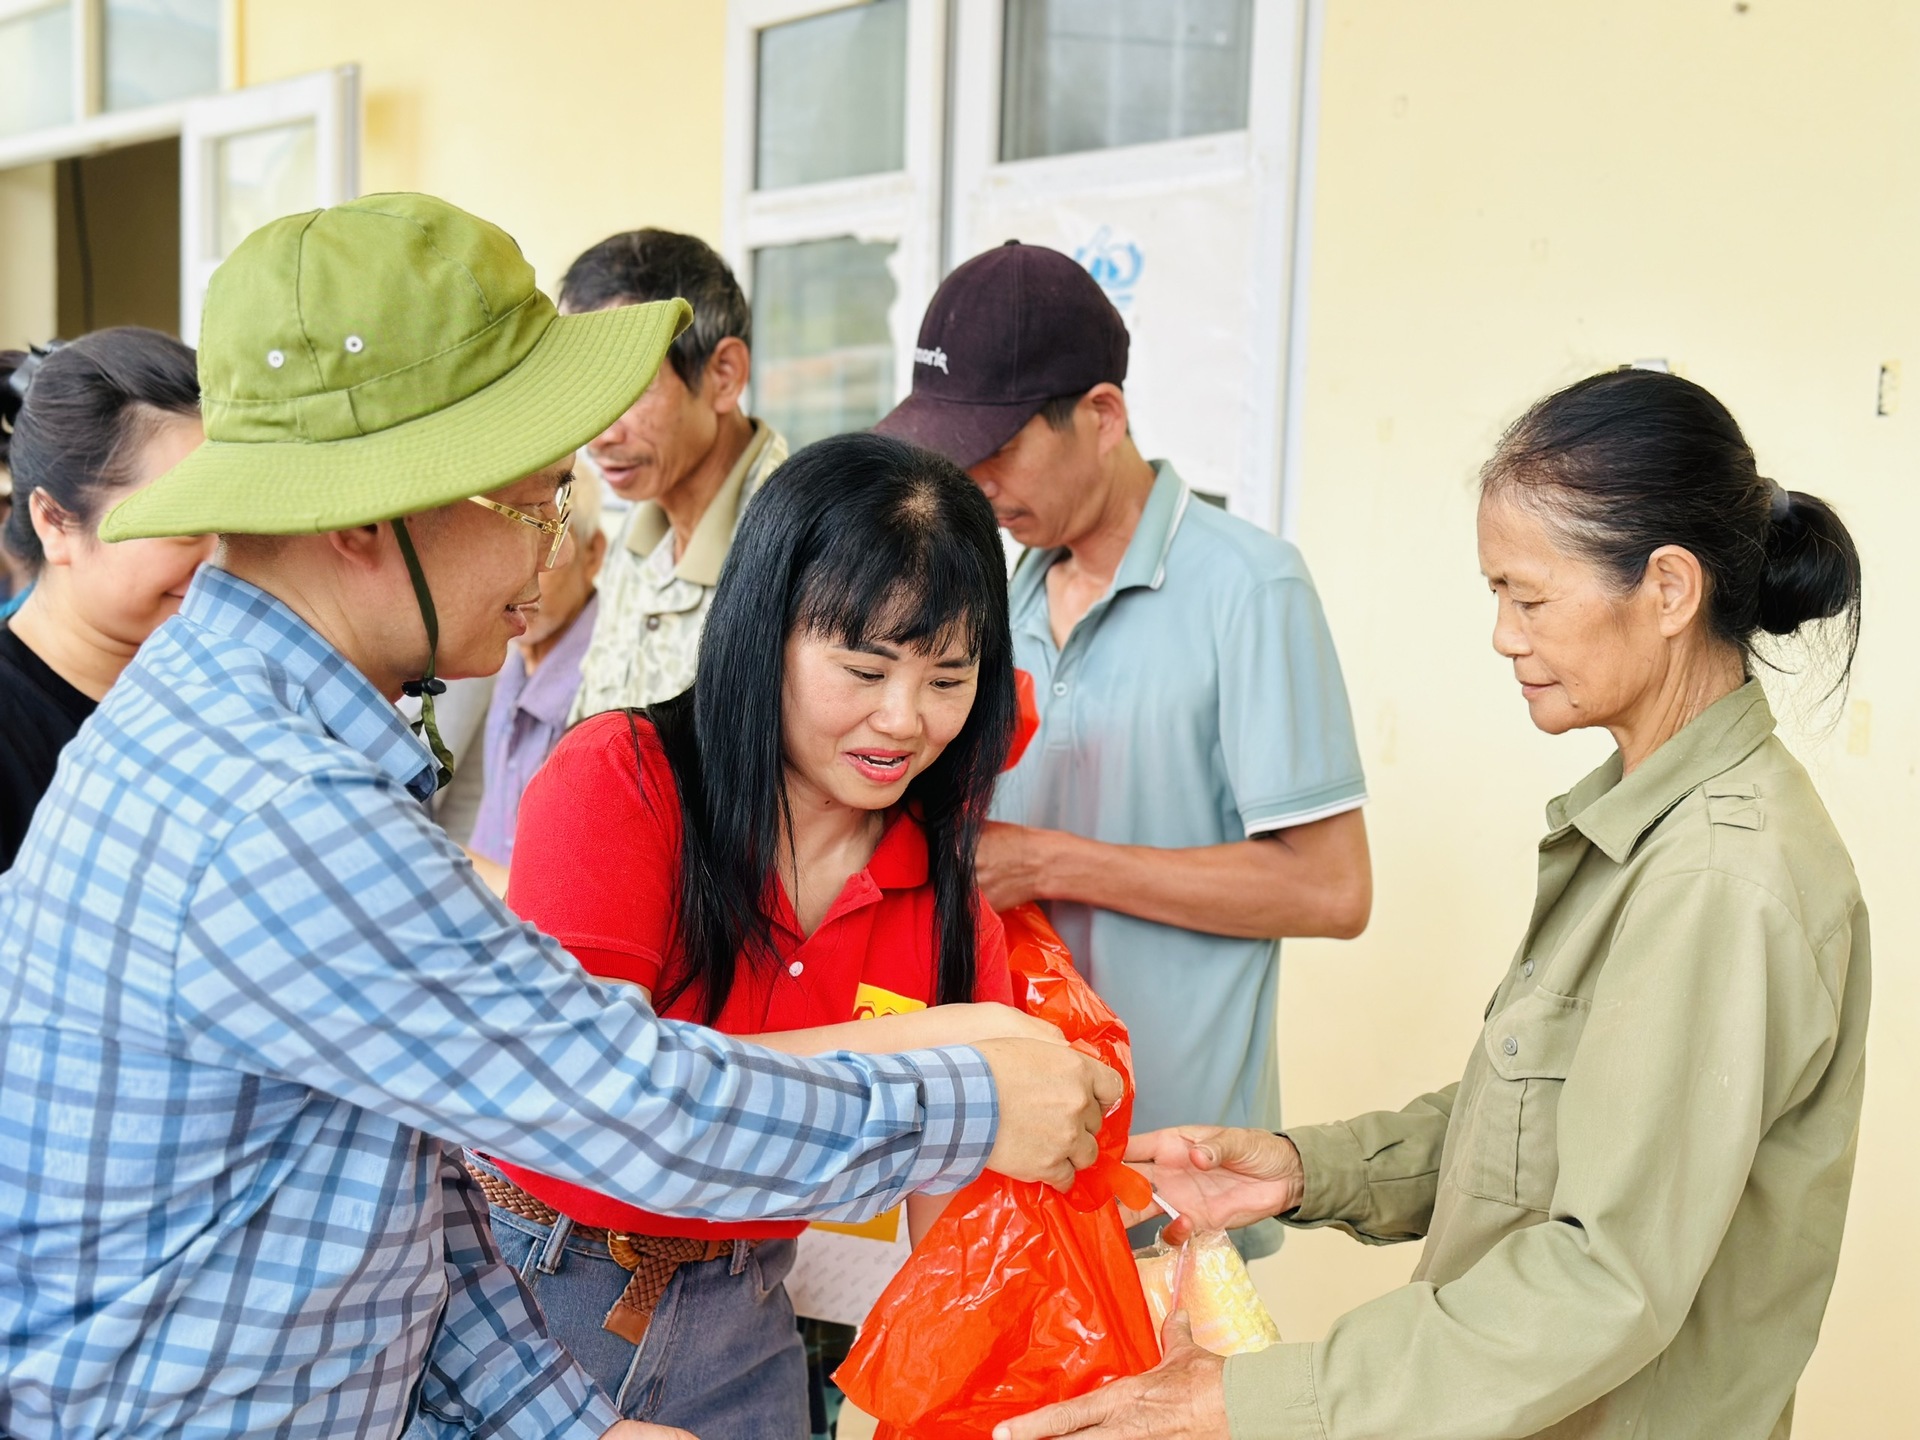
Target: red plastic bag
<point>1018,1296</point>
<point>1026,722</point>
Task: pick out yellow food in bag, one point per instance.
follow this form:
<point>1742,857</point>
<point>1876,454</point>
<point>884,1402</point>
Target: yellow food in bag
<point>1213,1287</point>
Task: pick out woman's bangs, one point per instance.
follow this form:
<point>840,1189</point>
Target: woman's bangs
<point>924,597</point>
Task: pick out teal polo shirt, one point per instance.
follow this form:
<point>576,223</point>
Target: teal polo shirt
<point>1199,702</point>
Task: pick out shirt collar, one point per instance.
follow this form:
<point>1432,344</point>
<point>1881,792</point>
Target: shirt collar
<point>900,859</point>
<point>1614,812</point>
<point>899,863</point>
<point>1144,565</point>
<point>707,547</point>
<point>319,679</point>
<point>548,693</point>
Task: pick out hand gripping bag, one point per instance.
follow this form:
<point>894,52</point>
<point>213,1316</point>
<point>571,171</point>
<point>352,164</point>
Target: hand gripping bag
<point>1018,1296</point>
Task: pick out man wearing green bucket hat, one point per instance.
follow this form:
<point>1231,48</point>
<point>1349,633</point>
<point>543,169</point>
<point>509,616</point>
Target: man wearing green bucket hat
<point>255,1001</point>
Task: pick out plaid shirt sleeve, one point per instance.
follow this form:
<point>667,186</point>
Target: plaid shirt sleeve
<point>338,939</point>
<point>492,1367</point>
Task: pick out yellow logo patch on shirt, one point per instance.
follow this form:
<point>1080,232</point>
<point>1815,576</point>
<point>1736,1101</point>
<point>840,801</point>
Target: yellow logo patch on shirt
<point>884,1227</point>
<point>870,1001</point>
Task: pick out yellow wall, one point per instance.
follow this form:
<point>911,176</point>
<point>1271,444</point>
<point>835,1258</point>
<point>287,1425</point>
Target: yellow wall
<point>561,123</point>
<point>27,237</point>
<point>1512,195</point>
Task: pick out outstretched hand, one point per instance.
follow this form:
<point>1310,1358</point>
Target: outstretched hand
<point>1184,1397</point>
<point>1218,1178</point>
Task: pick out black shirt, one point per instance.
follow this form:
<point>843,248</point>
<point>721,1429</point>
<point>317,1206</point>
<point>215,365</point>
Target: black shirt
<point>39,714</point>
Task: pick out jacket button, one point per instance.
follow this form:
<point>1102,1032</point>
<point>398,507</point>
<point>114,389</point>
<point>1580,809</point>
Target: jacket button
<point>1059,687</point>
<point>653,622</point>
<point>1527,969</point>
<point>1510,1045</point>
<point>795,968</point>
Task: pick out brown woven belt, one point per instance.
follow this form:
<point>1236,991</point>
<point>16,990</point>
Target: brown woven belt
<point>649,1259</point>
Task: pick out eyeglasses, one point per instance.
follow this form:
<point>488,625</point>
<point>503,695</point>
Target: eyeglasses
<point>556,527</point>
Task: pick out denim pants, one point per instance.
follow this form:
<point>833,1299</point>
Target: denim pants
<point>722,1357</point>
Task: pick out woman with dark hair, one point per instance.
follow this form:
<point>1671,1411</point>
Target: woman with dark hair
<point>1632,1201</point>
<point>85,425</point>
<point>782,849</point>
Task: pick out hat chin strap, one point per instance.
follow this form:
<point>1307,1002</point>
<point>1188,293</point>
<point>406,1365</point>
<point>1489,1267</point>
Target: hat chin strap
<point>426,687</point>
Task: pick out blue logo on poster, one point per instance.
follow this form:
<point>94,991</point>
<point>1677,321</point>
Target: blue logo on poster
<point>1115,263</point>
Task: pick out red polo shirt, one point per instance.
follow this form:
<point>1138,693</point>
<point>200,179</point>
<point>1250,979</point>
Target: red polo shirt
<point>596,865</point>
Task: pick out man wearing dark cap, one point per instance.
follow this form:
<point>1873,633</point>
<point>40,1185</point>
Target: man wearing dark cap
<point>1194,793</point>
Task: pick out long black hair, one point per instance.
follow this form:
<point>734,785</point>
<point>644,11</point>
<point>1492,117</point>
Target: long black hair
<point>859,539</point>
<point>72,417</point>
<point>1630,460</point>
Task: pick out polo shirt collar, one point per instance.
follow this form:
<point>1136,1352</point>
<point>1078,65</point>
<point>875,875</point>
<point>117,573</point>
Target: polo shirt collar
<point>319,680</point>
<point>1144,565</point>
<point>713,536</point>
<point>548,693</point>
<point>899,862</point>
<point>900,859</point>
<point>1614,812</point>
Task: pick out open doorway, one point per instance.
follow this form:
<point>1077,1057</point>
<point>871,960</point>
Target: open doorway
<point>117,243</point>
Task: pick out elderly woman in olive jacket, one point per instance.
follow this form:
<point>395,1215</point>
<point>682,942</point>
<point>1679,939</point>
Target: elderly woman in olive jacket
<point>1633,1198</point>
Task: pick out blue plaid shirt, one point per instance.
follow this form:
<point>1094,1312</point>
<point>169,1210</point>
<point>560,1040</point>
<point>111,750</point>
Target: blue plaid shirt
<point>251,1003</point>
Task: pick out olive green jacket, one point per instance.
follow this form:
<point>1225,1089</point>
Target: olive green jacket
<point>1633,1199</point>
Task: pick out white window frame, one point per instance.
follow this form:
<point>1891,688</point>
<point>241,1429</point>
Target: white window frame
<point>94,129</point>
<point>328,99</point>
<point>1272,155</point>
<point>902,207</point>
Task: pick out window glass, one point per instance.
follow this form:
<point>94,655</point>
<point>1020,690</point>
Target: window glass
<point>36,70</point>
<point>159,50</point>
<point>822,352</point>
<point>1093,74</point>
<point>260,176</point>
<point>833,96</point>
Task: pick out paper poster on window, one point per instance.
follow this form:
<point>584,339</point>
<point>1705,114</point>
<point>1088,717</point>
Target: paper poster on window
<point>1175,259</point>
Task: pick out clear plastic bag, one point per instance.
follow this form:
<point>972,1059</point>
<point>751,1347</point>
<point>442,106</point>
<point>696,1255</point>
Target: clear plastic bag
<point>1206,1277</point>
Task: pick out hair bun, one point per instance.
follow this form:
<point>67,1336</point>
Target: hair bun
<point>1812,569</point>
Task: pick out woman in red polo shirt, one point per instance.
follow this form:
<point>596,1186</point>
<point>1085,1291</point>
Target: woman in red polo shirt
<point>784,848</point>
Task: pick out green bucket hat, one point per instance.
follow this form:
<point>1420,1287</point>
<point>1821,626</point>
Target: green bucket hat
<point>383,357</point>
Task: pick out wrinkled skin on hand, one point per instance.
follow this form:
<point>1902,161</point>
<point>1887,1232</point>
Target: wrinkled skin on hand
<point>1217,1177</point>
<point>1182,1398</point>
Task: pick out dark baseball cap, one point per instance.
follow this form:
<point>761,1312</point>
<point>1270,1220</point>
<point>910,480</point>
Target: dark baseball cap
<point>1005,333</point>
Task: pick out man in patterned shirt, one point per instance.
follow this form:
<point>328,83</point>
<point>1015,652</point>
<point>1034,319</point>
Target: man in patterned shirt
<point>252,1001</point>
<point>685,454</point>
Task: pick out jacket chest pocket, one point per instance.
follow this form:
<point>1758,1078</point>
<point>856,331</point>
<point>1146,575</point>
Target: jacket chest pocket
<point>1509,1141</point>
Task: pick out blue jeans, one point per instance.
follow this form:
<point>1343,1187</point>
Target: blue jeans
<point>722,1357</point>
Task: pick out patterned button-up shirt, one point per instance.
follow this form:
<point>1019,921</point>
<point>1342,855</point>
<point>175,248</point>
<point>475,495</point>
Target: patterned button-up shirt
<point>652,607</point>
<point>251,1002</point>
